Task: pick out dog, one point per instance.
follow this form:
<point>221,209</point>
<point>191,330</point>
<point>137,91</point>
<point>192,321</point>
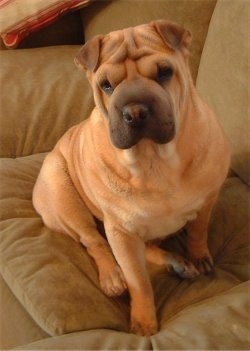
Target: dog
<point>149,160</point>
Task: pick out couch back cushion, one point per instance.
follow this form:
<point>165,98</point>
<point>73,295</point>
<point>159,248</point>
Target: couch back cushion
<point>223,79</point>
<point>43,94</point>
<point>106,16</point>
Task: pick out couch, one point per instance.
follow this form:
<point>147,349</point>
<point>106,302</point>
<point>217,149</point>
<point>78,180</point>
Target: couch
<point>50,295</point>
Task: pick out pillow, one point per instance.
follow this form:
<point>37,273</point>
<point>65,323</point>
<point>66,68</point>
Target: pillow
<point>20,18</point>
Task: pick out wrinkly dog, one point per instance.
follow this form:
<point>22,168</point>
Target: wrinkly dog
<point>149,160</point>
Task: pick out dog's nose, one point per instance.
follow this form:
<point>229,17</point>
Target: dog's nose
<point>135,114</point>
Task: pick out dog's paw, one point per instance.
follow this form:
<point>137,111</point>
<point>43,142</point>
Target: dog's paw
<point>204,264</point>
<point>112,281</point>
<point>143,328</point>
<point>200,256</point>
<point>182,267</point>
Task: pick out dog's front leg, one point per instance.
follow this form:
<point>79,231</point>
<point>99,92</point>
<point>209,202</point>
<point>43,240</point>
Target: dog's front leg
<point>129,251</point>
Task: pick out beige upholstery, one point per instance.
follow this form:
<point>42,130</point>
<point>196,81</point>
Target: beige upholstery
<point>47,91</point>
<point>223,78</point>
<point>17,327</point>
<point>51,297</point>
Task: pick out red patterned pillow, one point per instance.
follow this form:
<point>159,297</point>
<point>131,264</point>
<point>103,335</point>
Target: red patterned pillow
<point>19,18</point>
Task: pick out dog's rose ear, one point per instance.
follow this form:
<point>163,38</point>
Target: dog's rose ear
<point>88,56</point>
<point>175,36</point>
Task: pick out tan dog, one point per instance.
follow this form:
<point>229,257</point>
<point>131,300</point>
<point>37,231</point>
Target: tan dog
<point>150,159</point>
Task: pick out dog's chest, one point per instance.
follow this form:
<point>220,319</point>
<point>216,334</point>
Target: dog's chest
<point>158,207</point>
<point>169,219</point>
<point>154,201</point>
<point>157,216</point>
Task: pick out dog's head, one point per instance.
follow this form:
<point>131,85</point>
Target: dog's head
<point>139,76</point>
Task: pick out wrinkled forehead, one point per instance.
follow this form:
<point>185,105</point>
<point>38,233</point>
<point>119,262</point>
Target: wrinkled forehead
<point>131,43</point>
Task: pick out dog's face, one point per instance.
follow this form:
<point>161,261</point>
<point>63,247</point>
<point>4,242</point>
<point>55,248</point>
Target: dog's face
<point>139,77</point>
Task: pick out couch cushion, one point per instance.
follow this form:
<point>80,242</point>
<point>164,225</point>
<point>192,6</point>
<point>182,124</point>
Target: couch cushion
<point>57,282</point>
<point>213,324</point>
<point>99,339</point>
<point>51,275</point>
<point>42,95</point>
<point>223,78</point>
<point>13,315</point>
<point>106,16</point>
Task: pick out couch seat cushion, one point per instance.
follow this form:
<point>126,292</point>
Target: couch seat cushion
<point>57,282</point>
<point>213,324</point>
<point>50,274</point>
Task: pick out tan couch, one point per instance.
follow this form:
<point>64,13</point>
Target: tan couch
<point>50,296</point>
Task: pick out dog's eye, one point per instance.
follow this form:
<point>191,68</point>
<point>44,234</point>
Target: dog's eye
<point>106,87</point>
<point>164,74</point>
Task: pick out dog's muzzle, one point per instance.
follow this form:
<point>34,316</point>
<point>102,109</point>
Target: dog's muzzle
<point>140,109</point>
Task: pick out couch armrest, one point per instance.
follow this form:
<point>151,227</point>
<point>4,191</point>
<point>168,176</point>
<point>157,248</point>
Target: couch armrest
<point>223,77</point>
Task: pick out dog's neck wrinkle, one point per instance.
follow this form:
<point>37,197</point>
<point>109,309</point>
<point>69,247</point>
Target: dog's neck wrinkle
<point>147,163</point>
<point>193,134</point>
<point>134,162</point>
<point>129,40</point>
